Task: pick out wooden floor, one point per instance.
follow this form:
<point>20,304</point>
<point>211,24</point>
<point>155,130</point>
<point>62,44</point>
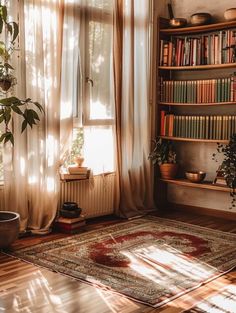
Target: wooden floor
<point>28,288</point>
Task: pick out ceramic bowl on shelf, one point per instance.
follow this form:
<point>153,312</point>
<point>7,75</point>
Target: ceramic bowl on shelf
<point>177,22</point>
<point>195,176</point>
<point>230,14</point>
<point>200,19</point>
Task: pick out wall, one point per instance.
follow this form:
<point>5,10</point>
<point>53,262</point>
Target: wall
<point>199,155</point>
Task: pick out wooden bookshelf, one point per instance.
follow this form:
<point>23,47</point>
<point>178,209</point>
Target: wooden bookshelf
<point>173,44</point>
<point>198,67</point>
<point>195,139</point>
<point>196,104</point>
<point>197,29</point>
<point>203,185</point>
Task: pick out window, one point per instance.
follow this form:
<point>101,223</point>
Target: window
<point>96,94</point>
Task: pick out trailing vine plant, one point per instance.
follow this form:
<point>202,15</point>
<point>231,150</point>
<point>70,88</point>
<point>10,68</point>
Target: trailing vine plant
<point>9,106</point>
<point>228,166</point>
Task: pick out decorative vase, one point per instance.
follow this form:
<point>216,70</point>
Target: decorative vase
<point>9,228</point>
<point>168,170</point>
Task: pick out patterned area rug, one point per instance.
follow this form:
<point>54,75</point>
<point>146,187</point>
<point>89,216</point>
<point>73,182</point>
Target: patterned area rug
<point>151,260</point>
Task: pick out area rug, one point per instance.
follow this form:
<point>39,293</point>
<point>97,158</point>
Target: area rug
<point>151,260</point>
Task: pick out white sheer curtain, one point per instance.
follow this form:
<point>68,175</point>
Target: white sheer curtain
<point>132,83</point>
<point>31,167</point>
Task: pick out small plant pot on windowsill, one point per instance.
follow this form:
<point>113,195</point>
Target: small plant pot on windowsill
<point>168,170</point>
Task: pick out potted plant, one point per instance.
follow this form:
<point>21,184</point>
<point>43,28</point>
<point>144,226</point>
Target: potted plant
<point>9,106</point>
<point>164,155</point>
<point>228,166</point>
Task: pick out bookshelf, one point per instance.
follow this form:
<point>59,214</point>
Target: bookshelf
<point>198,88</point>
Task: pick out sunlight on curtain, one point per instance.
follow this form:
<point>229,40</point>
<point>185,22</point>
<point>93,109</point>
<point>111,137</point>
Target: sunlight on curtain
<point>31,181</point>
<point>132,81</point>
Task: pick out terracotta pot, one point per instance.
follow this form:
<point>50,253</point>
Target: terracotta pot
<point>9,228</point>
<point>168,170</point>
<point>79,160</point>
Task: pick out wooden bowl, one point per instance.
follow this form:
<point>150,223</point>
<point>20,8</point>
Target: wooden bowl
<point>195,176</point>
<point>178,22</point>
<point>200,19</point>
<point>230,14</point>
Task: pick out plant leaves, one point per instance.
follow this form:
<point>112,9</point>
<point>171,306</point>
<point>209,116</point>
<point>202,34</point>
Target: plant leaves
<point>15,31</point>
<point>4,13</point>
<point>23,126</point>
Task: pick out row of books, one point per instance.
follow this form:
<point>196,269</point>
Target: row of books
<point>214,48</point>
<point>70,225</point>
<point>199,127</point>
<point>199,91</point>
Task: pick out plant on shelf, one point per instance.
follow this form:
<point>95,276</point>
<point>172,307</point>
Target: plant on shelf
<point>228,166</point>
<point>9,106</point>
<point>164,155</point>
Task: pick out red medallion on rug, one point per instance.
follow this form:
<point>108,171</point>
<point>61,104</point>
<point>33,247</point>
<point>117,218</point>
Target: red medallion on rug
<point>151,260</point>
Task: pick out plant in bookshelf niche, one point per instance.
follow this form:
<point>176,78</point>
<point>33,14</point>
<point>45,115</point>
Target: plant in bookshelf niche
<point>9,106</point>
<point>227,169</point>
<point>164,155</point>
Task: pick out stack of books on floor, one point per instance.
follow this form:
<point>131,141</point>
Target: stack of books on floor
<point>75,172</point>
<point>70,225</point>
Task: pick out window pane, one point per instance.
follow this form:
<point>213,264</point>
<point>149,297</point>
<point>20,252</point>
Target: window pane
<point>101,103</point>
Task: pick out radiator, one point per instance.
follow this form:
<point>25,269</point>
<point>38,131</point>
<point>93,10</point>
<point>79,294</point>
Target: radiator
<point>96,198</point>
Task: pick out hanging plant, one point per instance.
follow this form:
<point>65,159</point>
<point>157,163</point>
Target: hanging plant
<point>9,106</point>
<point>228,166</point>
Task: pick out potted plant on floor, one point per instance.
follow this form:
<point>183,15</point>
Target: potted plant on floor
<point>10,105</point>
<point>228,166</point>
<point>164,155</point>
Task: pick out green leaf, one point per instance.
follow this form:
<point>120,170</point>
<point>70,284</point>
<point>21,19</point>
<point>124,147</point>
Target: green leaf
<point>8,66</point>
<point>16,109</point>
<point>3,137</point>
<point>1,24</point>
<point>23,126</point>
<point>9,137</point>
<point>9,28</point>
<point>4,13</point>
<point>15,31</point>
<point>39,106</point>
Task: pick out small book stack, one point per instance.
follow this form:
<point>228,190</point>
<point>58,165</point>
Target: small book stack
<point>70,225</point>
<point>75,172</point>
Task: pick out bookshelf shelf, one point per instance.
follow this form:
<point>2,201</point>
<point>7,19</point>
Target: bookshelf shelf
<point>198,29</point>
<point>198,67</point>
<point>204,185</point>
<point>195,139</point>
<point>196,104</point>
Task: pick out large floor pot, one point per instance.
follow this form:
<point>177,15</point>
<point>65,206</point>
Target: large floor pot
<point>168,170</point>
<point>9,227</point>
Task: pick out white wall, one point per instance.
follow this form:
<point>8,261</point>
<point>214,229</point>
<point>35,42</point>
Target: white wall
<point>199,155</point>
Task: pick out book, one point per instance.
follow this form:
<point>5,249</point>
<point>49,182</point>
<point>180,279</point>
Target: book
<point>66,220</point>
<point>66,226</point>
<point>75,169</point>
<point>68,177</point>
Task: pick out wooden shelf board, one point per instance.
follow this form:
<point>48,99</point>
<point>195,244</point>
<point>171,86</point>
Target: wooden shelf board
<point>194,139</point>
<point>203,185</point>
<point>196,104</point>
<point>198,67</point>
<point>198,29</point>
